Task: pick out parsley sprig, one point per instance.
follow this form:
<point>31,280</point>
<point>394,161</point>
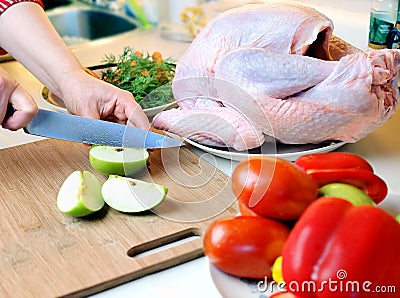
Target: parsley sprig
<point>147,77</point>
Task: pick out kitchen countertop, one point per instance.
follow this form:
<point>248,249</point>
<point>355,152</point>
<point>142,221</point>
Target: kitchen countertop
<point>192,279</point>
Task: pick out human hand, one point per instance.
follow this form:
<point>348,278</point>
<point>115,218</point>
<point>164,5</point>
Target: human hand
<point>24,105</point>
<point>91,97</point>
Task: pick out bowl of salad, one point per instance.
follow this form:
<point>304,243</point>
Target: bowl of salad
<point>147,76</point>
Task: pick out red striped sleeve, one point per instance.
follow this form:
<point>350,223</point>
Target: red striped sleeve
<point>4,4</point>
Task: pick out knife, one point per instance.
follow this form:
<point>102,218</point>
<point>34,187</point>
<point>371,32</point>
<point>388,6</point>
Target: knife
<point>74,128</point>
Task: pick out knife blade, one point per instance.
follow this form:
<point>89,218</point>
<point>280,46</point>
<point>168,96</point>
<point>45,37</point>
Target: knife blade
<point>74,128</point>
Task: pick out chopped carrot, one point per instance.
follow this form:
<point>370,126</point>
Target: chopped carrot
<point>92,73</point>
<point>157,57</point>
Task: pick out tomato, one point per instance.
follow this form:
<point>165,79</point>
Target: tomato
<point>245,246</point>
<point>245,210</point>
<point>273,187</point>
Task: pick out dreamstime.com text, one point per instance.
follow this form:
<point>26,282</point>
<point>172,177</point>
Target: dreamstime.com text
<point>334,286</point>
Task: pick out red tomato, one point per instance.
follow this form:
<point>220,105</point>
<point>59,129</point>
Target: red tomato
<point>245,246</point>
<point>273,187</point>
<point>245,210</point>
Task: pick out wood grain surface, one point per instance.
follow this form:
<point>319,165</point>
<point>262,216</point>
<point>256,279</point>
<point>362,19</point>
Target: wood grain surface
<point>45,253</point>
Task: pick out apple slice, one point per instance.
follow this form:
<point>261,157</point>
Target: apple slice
<point>80,194</point>
<point>131,195</point>
<point>118,161</point>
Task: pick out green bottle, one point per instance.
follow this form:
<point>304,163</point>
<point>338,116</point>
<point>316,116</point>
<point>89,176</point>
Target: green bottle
<point>382,21</point>
<point>393,40</point>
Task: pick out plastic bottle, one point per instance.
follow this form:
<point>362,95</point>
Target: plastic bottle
<point>393,39</point>
<point>382,20</point>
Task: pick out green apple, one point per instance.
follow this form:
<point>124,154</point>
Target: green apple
<point>80,194</point>
<point>347,192</point>
<point>118,161</point>
<point>130,195</point>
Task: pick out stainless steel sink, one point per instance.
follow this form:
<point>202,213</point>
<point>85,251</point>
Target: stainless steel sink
<point>81,24</point>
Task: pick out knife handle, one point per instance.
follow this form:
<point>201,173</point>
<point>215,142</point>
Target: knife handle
<point>9,112</point>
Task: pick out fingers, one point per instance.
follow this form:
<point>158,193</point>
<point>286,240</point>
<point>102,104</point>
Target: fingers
<point>88,96</point>
<point>137,117</point>
<point>120,106</point>
<point>25,109</point>
<point>127,111</point>
<point>24,105</point>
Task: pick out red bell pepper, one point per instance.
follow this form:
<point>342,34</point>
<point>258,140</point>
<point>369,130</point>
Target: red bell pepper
<point>333,160</point>
<point>367,181</point>
<point>283,295</point>
<point>347,192</point>
<point>339,250</point>
<point>342,167</point>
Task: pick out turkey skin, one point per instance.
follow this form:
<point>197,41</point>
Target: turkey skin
<point>276,72</point>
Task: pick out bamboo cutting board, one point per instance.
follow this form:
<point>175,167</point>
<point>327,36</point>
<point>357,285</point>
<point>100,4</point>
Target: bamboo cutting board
<point>45,253</point>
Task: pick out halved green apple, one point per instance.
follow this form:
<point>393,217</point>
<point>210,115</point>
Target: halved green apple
<point>118,161</point>
<point>130,195</point>
<point>80,194</point>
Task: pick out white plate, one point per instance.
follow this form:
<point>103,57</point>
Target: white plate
<point>289,152</point>
<point>234,287</point>
<point>56,103</point>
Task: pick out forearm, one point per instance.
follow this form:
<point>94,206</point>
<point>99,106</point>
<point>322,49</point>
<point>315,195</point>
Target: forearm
<point>36,45</point>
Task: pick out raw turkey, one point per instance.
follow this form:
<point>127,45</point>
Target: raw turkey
<point>275,72</point>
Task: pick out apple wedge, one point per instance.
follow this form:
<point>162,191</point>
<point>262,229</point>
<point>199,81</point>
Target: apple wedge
<point>118,161</point>
<point>131,195</point>
<point>80,194</point>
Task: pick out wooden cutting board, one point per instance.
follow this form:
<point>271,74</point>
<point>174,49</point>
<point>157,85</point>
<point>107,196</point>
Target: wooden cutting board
<point>45,253</point>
